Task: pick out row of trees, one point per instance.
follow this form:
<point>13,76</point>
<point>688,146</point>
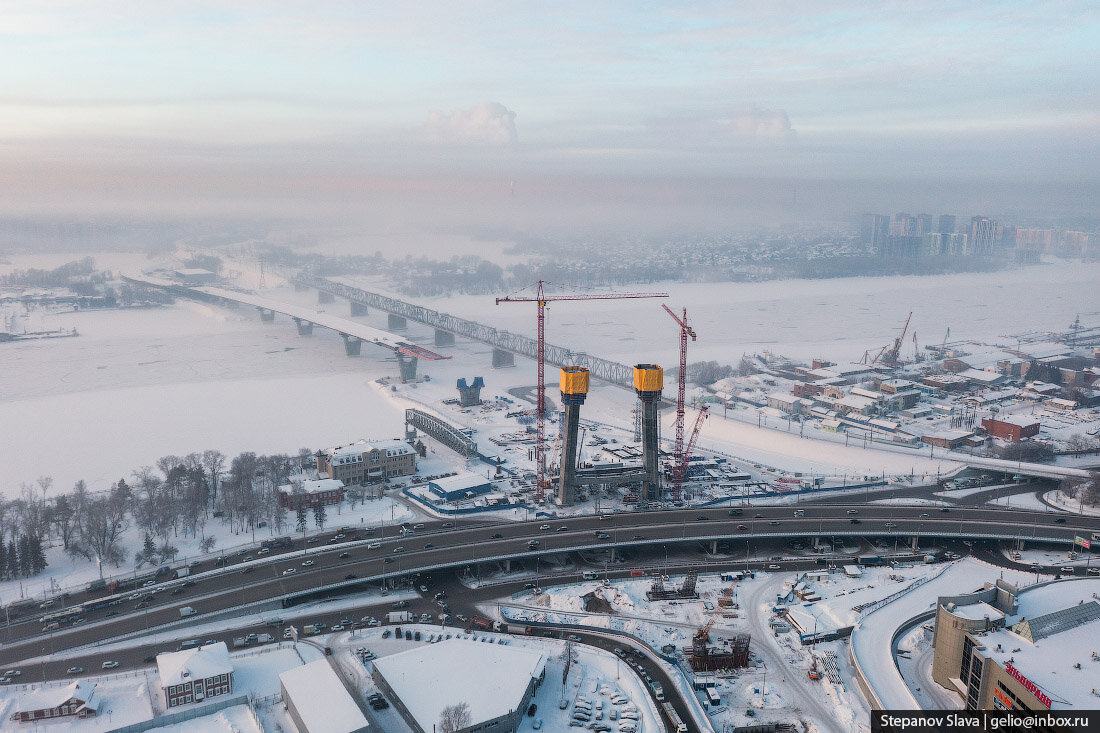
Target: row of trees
<point>22,558</point>
<point>175,498</point>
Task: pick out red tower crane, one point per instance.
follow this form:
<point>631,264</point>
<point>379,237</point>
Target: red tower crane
<point>681,467</point>
<point>681,394</point>
<point>543,300</point>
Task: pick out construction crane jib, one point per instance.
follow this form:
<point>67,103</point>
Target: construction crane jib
<point>681,394</point>
<point>543,300</point>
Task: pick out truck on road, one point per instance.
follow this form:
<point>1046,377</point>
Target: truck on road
<point>186,611</point>
<point>400,617</point>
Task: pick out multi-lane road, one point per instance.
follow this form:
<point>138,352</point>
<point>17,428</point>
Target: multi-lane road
<point>436,546</point>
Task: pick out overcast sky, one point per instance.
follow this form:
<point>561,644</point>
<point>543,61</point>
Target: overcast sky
<point>593,108</point>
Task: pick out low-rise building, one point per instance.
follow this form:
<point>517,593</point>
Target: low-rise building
<point>317,701</point>
<point>422,681</point>
<point>1010,427</point>
<point>365,462</point>
<point>947,438</point>
<point>312,493</point>
<point>75,700</point>
<point>785,402</point>
<point>460,486</point>
<point>195,674</point>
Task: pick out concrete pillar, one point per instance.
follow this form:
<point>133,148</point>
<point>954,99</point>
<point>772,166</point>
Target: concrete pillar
<point>395,322</point>
<point>914,542</point>
<point>574,388</point>
<point>815,541</point>
<point>648,383</point>
<point>407,366</point>
<point>352,344</point>
<point>305,328</point>
<point>507,565</point>
<point>324,296</point>
<point>714,547</point>
<point>612,557</point>
<point>444,338</point>
<point>267,316</point>
<point>502,358</point>
<point>358,309</point>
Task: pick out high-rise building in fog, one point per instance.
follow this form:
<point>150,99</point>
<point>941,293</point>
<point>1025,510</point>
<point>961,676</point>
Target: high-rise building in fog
<point>874,229</point>
<point>983,231</point>
<point>924,224</point>
<point>947,224</point>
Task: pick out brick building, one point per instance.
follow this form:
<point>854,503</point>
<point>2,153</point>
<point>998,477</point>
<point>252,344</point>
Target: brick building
<point>366,462</point>
<point>195,674</point>
<point>76,700</point>
<point>1011,428</point>
<point>312,493</point>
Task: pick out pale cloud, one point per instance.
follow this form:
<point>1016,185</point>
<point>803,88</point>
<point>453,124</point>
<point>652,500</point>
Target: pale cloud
<point>486,123</point>
<point>761,123</point>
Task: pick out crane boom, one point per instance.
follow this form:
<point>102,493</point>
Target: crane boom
<point>681,395</point>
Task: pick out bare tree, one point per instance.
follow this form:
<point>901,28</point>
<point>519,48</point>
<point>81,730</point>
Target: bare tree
<point>102,526</point>
<point>454,718</point>
<point>214,463</point>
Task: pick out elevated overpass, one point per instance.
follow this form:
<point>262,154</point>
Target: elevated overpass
<point>466,544</point>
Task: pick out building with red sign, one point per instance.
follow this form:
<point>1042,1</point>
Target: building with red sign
<point>1011,428</point>
<point>1002,648</point>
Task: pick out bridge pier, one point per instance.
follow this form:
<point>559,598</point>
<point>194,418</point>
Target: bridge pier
<point>444,338</point>
<point>267,316</point>
<point>815,541</point>
<point>305,328</point>
<point>502,358</point>
<point>324,296</point>
<point>714,547</point>
<point>407,366</point>
<point>914,542</point>
<point>612,558</point>
<point>352,344</point>
<point>357,308</point>
<point>395,322</point>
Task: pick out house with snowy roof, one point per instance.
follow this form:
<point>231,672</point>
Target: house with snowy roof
<point>366,462</point>
<point>195,674</point>
<point>77,699</point>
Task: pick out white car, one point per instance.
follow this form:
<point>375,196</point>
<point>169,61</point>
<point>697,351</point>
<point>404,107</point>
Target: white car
<point>290,571</point>
<point>13,673</point>
<point>545,527</point>
<point>338,627</point>
<point>109,665</point>
<point>307,564</point>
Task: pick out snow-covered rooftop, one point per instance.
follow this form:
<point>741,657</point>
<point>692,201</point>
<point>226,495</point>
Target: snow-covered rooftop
<point>358,448</point>
<point>52,697</point>
<point>321,700</point>
<point>313,486</point>
<point>432,677</point>
<point>977,611</point>
<point>176,668</point>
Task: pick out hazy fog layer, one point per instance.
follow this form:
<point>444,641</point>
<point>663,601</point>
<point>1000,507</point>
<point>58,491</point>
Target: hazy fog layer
<point>437,116</point>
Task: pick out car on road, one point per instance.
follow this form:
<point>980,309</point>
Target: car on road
<point>496,536</point>
<point>702,518</point>
<point>448,525</point>
<point>544,527</point>
<point>773,566</point>
<point>423,589</point>
<point>290,571</point>
<point>855,521</point>
<point>399,548</point>
<point>562,528</point>
<point>1060,520</point>
<point>891,525</point>
<point>338,627</point>
<point>339,536</point>
<point>313,540</point>
<point>944,509</point>
<point>428,545</point>
<point>143,604</point>
<point>388,559</point>
<point>374,545</point>
<point>639,536</point>
<point>307,564</point>
<point>574,637</point>
<point>345,555</point>
<point>148,583</point>
<point>742,527</point>
<point>248,569</point>
<point>74,670</point>
<point>13,673</point>
<point>263,551</point>
<point>108,665</point>
<point>853,511</point>
<point>351,576</point>
<point>773,522</point>
<point>603,536</point>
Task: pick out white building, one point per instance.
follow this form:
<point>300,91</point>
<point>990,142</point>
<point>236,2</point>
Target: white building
<point>318,702</point>
<point>497,682</point>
